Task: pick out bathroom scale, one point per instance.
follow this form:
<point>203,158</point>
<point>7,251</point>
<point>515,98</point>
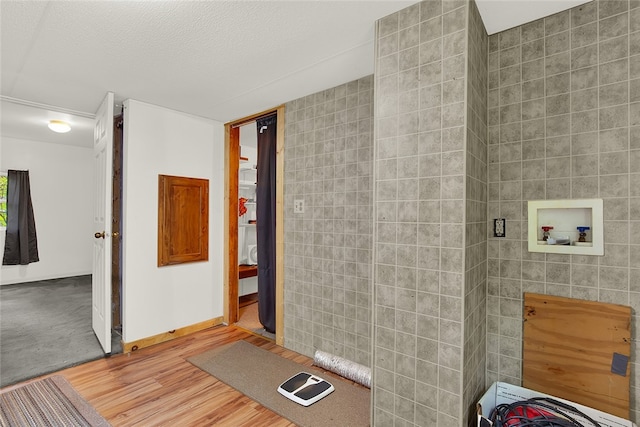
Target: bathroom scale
<point>305,389</point>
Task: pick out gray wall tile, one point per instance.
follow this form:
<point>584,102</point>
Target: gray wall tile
<point>561,119</point>
<point>427,238</point>
<point>588,149</point>
<point>328,152</point>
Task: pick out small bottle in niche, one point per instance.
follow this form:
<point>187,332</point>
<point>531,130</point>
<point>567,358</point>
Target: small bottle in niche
<point>545,232</point>
<point>583,233</point>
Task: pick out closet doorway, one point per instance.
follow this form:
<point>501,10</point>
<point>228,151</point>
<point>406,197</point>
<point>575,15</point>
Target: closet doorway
<point>245,206</point>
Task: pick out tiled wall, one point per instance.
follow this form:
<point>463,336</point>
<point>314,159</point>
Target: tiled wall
<point>420,216</point>
<point>328,164</point>
<point>475,285</point>
<point>564,122</point>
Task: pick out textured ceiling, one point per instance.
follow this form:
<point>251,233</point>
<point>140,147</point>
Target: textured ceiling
<point>208,58</point>
<point>217,59</point>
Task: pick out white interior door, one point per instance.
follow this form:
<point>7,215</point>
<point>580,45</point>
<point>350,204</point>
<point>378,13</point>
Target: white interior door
<point>103,172</point>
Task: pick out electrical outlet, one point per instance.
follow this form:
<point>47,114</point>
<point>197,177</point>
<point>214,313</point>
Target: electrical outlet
<point>298,206</point>
<point>499,227</point>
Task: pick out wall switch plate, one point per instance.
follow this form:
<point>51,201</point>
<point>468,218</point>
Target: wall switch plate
<point>499,227</point>
<point>298,206</point>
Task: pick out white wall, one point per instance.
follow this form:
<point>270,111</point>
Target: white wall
<point>62,195</point>
<point>161,141</point>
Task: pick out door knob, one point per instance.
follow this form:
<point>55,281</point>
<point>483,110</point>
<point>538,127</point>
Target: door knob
<point>115,234</point>
<point>99,235</point>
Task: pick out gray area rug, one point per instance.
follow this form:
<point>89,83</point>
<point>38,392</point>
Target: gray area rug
<point>47,402</point>
<point>257,373</point>
<point>46,326</point>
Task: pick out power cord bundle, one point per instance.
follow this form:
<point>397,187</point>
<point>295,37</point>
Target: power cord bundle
<point>539,412</point>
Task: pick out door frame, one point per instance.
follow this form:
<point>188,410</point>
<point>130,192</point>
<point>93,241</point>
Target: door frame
<point>116,234</point>
<point>232,161</point>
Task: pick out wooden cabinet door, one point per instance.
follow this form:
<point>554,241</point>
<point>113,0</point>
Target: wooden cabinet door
<point>183,220</point>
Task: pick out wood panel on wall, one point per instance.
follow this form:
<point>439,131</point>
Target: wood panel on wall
<point>183,220</point>
<point>578,350</point>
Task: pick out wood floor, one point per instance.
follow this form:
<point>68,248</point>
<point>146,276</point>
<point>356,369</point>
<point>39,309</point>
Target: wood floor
<point>157,386</point>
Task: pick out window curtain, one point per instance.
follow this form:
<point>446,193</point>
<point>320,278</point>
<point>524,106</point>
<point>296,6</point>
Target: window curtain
<point>266,221</point>
<point>21,243</point>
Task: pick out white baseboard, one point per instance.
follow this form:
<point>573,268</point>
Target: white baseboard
<point>14,281</point>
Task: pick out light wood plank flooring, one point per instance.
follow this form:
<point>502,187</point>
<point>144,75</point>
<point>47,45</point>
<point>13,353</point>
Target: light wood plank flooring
<point>157,386</point>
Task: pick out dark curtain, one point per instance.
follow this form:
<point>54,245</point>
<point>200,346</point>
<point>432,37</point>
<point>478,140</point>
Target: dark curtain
<point>266,222</point>
<point>21,244</point>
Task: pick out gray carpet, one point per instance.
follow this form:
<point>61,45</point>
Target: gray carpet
<point>46,326</point>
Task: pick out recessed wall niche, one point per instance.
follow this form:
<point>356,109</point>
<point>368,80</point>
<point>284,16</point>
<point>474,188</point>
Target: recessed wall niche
<point>566,226</point>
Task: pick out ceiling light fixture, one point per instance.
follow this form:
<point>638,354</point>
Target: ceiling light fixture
<point>59,126</point>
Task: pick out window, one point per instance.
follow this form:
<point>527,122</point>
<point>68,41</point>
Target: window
<point>3,200</point>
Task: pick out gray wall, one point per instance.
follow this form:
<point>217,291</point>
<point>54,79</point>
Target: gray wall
<point>430,201</point>
<point>475,286</point>
<point>564,122</point>
<point>328,164</point>
<point>560,119</point>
